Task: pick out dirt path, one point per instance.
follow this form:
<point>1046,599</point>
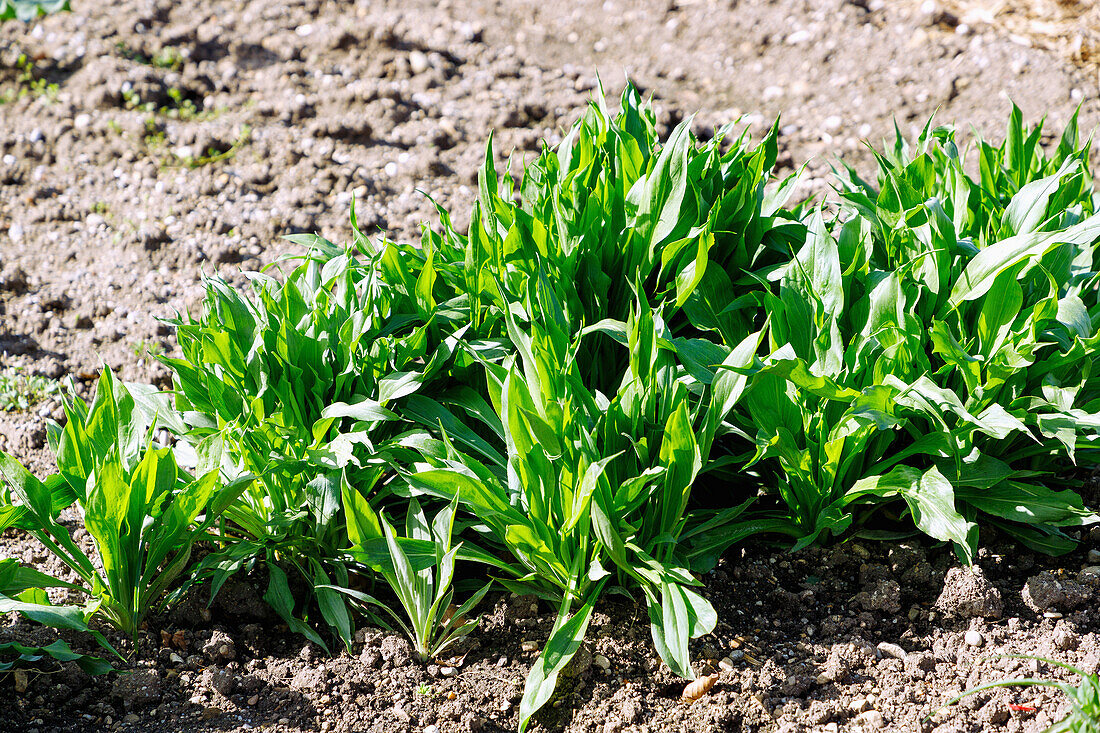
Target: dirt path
<point>146,142</point>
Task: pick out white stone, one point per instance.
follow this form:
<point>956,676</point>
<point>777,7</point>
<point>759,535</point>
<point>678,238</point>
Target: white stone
<point>418,62</point>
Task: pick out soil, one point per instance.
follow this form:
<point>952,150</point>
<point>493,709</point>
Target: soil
<point>148,142</point>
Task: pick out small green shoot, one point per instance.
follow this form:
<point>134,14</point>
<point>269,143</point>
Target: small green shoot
<point>20,391</point>
<point>1084,715</point>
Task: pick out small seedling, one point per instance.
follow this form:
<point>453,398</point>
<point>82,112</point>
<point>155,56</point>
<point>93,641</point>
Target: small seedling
<point>1084,715</point>
<point>146,348</point>
<point>28,82</point>
<point>214,156</point>
<point>21,391</point>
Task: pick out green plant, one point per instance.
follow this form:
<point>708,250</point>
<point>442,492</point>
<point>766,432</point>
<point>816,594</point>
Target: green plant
<point>141,510</point>
<point>179,108</point>
<point>20,391</point>
<point>30,82</point>
<point>431,622</point>
<point>580,462</point>
<point>23,591</point>
<point>593,487</point>
<point>144,348</point>
<point>935,344</point>
<point>167,57</point>
<point>1084,716</point>
<point>27,10</point>
<point>215,156</point>
<point>20,656</point>
<point>295,385</point>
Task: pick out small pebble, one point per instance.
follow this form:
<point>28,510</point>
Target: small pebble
<point>974,638</point>
<point>1094,557</point>
<point>602,662</point>
<point>431,729</point>
<point>871,719</point>
<point>418,62</point>
<point>1051,614</point>
<point>725,664</point>
<point>892,650</point>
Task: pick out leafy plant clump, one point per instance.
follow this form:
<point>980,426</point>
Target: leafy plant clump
<point>141,510</point>
<point>637,355</point>
<point>433,623</point>
<point>935,343</point>
<point>20,391</point>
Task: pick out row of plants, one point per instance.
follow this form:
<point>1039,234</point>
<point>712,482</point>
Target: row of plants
<point>637,355</point>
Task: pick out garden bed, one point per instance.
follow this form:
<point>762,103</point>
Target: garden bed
<point>148,142</point>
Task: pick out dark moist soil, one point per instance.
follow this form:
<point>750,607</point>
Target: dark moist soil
<point>268,116</point>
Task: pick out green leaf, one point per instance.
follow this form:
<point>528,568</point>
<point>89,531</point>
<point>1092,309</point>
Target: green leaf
<point>931,499</point>
<point>680,615</point>
<point>983,269</point>
<point>1028,503</point>
<point>564,641</point>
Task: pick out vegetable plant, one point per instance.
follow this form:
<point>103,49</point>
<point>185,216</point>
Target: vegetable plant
<point>294,384</point>
<point>935,344</point>
<point>432,622</point>
<point>26,10</point>
<point>140,509</point>
<point>591,488</point>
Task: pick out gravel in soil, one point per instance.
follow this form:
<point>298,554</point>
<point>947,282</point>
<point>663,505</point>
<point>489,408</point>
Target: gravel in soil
<point>148,141</point>
<point>859,636</point>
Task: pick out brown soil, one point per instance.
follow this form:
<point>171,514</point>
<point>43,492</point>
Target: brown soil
<point>109,213</point>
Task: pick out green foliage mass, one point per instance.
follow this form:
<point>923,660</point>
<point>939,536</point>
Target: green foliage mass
<point>634,357</point>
